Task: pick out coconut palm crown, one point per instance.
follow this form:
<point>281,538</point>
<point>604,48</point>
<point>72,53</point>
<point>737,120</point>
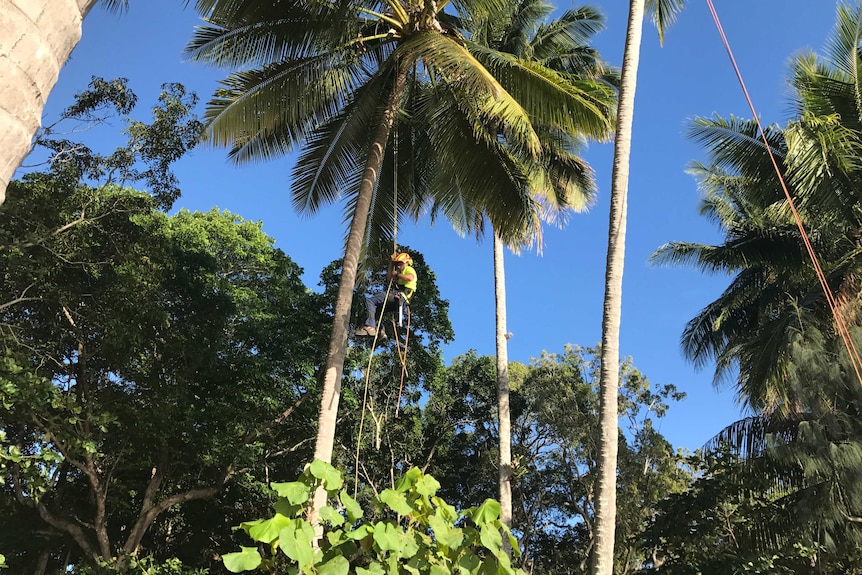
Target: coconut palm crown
<point>332,79</point>
<point>315,75</point>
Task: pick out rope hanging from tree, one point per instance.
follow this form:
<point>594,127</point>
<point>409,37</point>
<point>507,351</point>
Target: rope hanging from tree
<point>402,356</point>
<point>840,324</point>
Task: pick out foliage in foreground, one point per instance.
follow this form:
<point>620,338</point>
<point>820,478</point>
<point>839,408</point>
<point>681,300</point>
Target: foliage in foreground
<point>417,531</point>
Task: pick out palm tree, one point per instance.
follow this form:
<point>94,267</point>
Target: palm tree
<point>772,326</point>
<point>749,329</point>
<point>663,13</point>
<point>563,182</point>
<point>746,328</point>
<point>37,38</point>
<point>332,77</point>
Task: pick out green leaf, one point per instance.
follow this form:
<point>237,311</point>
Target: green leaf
<point>334,517</point>
<point>396,501</point>
<point>295,540</point>
<point>360,532</point>
<point>286,508</point>
<point>408,480</point>
<point>374,568</point>
<point>427,486</point>
<point>354,511</point>
<point>268,530</point>
<point>387,536</point>
<point>489,566</point>
<point>513,543</point>
<point>437,569</point>
<point>485,513</point>
<point>392,565</point>
<point>338,565</point>
<point>445,534</point>
<point>445,510</point>
<point>331,477</point>
<point>491,538</point>
<point>295,491</point>
<point>469,563</point>
<point>245,560</point>
<point>409,546</point>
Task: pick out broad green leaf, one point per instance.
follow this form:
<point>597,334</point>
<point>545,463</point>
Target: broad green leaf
<point>489,566</point>
<point>445,510</point>
<point>437,569</point>
<point>361,532</point>
<point>374,568</point>
<point>330,476</point>
<point>267,531</point>
<point>491,538</point>
<point>387,536</point>
<point>396,501</point>
<point>248,525</point>
<point>295,541</point>
<point>338,565</point>
<point>392,565</point>
<point>469,563</point>
<point>334,517</point>
<point>445,534</point>
<point>427,486</point>
<point>295,491</point>
<point>245,560</point>
<point>354,511</point>
<point>286,508</point>
<point>408,480</point>
<point>513,543</point>
<point>409,546</point>
<point>485,513</point>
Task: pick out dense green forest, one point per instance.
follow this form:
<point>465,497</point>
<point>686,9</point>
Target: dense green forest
<point>164,375</point>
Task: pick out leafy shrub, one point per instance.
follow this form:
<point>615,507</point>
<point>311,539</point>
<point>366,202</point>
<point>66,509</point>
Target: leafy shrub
<point>419,534</point>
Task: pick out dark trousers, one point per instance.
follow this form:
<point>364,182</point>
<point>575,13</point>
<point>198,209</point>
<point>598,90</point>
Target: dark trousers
<point>374,305</point>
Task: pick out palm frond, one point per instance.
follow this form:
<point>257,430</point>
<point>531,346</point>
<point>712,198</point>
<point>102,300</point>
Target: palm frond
<point>115,5</point>
<point>289,98</point>
<point>663,14</point>
<point>332,162</point>
<point>570,33</point>
<point>579,106</point>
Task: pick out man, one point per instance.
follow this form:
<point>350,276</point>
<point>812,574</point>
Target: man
<point>402,273</point>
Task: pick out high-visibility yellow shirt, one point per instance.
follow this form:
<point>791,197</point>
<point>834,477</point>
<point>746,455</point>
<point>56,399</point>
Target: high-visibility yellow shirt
<point>408,287</point>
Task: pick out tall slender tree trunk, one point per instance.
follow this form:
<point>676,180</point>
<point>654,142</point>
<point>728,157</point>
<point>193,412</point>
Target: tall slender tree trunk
<point>344,300</point>
<point>36,38</point>
<point>505,424</point>
<point>606,495</point>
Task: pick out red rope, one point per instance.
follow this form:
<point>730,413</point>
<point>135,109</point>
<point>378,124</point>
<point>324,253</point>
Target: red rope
<point>843,331</point>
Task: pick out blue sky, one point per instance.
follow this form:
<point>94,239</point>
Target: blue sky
<point>555,298</point>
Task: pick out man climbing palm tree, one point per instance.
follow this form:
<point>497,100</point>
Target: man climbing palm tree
<point>400,272</point>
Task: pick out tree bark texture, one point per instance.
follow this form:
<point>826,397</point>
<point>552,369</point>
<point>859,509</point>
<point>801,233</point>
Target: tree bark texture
<point>505,424</point>
<point>36,38</point>
<point>606,497</point>
<point>344,300</point>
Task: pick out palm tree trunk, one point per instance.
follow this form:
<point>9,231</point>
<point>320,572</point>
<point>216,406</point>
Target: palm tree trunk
<point>606,495</point>
<point>505,424</point>
<point>340,325</point>
<point>35,41</point>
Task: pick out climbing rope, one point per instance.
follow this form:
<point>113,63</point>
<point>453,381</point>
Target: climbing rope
<point>840,324</point>
<point>401,357</point>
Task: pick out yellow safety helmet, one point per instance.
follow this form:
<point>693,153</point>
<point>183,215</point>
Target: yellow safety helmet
<point>403,257</point>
